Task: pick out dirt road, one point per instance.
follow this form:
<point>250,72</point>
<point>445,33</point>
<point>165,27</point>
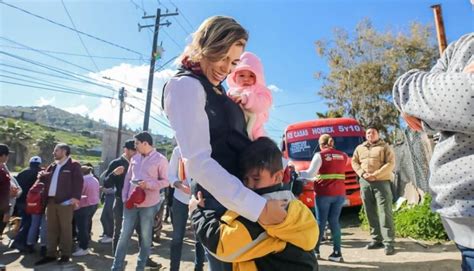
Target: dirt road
<point>409,256</point>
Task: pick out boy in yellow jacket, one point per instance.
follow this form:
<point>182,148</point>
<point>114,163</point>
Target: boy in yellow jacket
<point>250,245</point>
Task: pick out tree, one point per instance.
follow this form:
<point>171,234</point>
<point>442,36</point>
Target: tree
<point>339,113</point>
<point>363,69</point>
<point>16,137</point>
<point>46,146</point>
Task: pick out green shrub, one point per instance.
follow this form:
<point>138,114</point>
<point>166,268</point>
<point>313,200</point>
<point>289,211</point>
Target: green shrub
<point>417,221</point>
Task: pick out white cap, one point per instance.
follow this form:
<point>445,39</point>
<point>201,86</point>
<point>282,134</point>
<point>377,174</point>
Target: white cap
<point>35,159</point>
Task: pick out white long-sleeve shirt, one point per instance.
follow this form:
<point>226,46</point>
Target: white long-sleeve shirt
<point>313,168</point>
<point>185,101</point>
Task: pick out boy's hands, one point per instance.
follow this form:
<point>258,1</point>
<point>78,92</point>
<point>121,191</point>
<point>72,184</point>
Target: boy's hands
<point>194,202</point>
<point>273,213</point>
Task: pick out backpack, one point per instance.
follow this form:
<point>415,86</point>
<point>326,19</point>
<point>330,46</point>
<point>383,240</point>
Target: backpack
<point>34,199</point>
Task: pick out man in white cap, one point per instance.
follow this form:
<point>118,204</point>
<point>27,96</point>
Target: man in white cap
<point>26,178</point>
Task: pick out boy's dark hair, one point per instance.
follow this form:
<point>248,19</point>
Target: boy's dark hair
<point>144,137</point>
<point>4,150</point>
<point>64,146</point>
<point>261,154</point>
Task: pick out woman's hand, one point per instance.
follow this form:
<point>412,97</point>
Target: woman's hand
<point>273,213</point>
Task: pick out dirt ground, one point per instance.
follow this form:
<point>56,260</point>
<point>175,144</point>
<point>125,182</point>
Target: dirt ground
<point>409,255</point>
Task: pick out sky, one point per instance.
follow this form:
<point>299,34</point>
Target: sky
<point>282,34</point>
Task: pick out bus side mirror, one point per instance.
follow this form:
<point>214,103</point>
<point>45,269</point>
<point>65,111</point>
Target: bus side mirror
<point>283,146</point>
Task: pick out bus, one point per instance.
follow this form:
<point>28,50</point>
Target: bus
<point>300,143</point>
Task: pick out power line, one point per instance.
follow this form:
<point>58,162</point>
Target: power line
<point>46,54</point>
<point>151,116</point>
<point>70,54</point>
<point>280,120</point>
<point>58,76</point>
<point>172,39</point>
<point>55,86</point>
<point>182,14</point>
<point>166,63</point>
<point>182,27</point>
<point>37,79</point>
<point>79,36</point>
<point>296,103</point>
<point>137,6</point>
<point>60,59</point>
<point>56,89</point>
<point>72,29</point>
<point>58,70</point>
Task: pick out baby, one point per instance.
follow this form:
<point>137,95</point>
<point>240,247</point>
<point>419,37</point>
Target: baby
<point>247,88</point>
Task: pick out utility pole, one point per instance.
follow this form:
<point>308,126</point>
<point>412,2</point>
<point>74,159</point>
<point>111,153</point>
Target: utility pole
<point>152,61</point>
<point>441,34</point>
<point>119,131</point>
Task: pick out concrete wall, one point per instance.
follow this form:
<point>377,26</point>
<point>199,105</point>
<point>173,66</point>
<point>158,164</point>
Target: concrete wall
<point>109,145</point>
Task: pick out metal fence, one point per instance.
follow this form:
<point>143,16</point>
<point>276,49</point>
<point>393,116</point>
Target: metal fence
<point>413,153</point>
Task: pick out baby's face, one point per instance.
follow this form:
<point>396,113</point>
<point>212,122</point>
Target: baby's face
<point>245,78</point>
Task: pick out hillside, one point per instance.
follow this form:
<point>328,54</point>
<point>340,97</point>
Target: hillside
<point>54,117</point>
<point>33,135</point>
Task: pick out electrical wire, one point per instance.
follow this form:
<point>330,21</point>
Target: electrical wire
<point>71,54</point>
<point>79,36</point>
<point>72,29</point>
<point>52,68</point>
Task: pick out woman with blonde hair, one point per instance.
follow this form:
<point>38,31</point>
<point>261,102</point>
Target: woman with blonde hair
<point>327,170</point>
<point>210,128</point>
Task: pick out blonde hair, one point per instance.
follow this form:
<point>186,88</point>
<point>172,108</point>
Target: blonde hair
<point>213,39</point>
<point>326,140</point>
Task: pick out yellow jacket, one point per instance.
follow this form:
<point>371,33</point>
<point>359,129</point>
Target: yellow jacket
<point>251,246</point>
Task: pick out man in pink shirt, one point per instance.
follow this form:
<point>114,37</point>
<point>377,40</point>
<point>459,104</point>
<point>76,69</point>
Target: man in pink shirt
<point>148,170</point>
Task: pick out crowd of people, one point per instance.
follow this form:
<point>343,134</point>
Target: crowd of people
<point>232,182</point>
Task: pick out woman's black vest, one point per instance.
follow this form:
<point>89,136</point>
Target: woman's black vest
<point>227,129</point>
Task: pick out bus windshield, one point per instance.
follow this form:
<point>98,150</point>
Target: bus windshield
<point>305,149</point>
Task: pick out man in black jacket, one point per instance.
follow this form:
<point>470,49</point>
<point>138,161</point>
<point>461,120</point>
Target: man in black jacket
<point>26,178</point>
<point>114,178</point>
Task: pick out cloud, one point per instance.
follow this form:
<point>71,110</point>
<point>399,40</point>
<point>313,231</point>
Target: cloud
<point>79,109</point>
<point>131,77</point>
<point>275,88</point>
<point>44,101</point>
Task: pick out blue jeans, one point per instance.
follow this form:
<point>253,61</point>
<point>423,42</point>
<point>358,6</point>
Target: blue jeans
<point>180,218</point>
<point>467,258</point>
<point>83,218</point>
<point>38,224</point>
<point>107,217</point>
<point>21,237</point>
<point>146,216</point>
<point>329,210</point>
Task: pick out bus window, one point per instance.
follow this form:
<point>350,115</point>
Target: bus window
<point>305,149</point>
<point>347,144</point>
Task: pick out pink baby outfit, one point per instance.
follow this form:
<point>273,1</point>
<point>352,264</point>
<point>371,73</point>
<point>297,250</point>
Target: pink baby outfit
<point>256,99</point>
